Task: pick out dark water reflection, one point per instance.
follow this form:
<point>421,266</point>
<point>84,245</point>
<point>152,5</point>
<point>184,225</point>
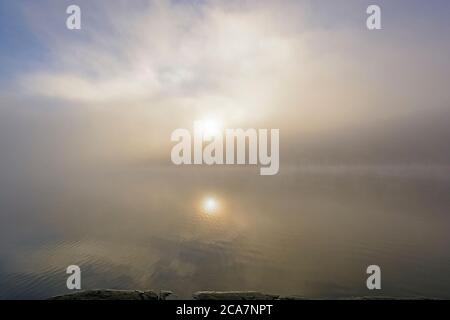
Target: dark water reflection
<point>309,231</point>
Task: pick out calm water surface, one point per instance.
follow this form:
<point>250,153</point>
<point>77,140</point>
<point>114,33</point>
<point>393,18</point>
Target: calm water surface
<point>310,231</point>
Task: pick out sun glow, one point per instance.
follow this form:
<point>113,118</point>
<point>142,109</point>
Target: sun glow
<point>210,206</point>
<point>210,127</point>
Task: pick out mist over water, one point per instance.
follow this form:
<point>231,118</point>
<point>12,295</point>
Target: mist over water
<point>308,232</point>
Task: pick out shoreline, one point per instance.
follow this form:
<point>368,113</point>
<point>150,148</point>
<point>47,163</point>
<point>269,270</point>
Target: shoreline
<point>112,294</point>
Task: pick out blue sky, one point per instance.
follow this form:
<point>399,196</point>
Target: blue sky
<point>19,48</point>
<point>22,48</point>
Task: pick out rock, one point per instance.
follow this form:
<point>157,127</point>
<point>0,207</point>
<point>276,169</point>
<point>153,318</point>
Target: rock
<point>386,298</point>
<point>166,295</point>
<point>293,297</point>
<point>233,295</point>
<point>106,294</point>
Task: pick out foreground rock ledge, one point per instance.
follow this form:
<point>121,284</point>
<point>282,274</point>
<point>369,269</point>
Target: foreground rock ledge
<point>233,295</point>
<point>107,294</point>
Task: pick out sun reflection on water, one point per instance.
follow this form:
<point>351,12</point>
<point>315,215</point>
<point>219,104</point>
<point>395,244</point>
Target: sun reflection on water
<point>210,206</point>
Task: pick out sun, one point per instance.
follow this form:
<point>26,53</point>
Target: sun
<point>210,205</point>
<point>210,127</point>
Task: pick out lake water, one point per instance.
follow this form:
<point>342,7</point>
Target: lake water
<point>309,231</point>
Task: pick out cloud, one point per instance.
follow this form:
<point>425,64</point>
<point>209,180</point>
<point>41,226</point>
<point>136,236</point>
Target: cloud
<point>203,52</point>
<point>160,65</point>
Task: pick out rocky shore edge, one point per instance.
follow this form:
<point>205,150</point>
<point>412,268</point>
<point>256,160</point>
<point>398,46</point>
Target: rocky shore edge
<point>109,294</point>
